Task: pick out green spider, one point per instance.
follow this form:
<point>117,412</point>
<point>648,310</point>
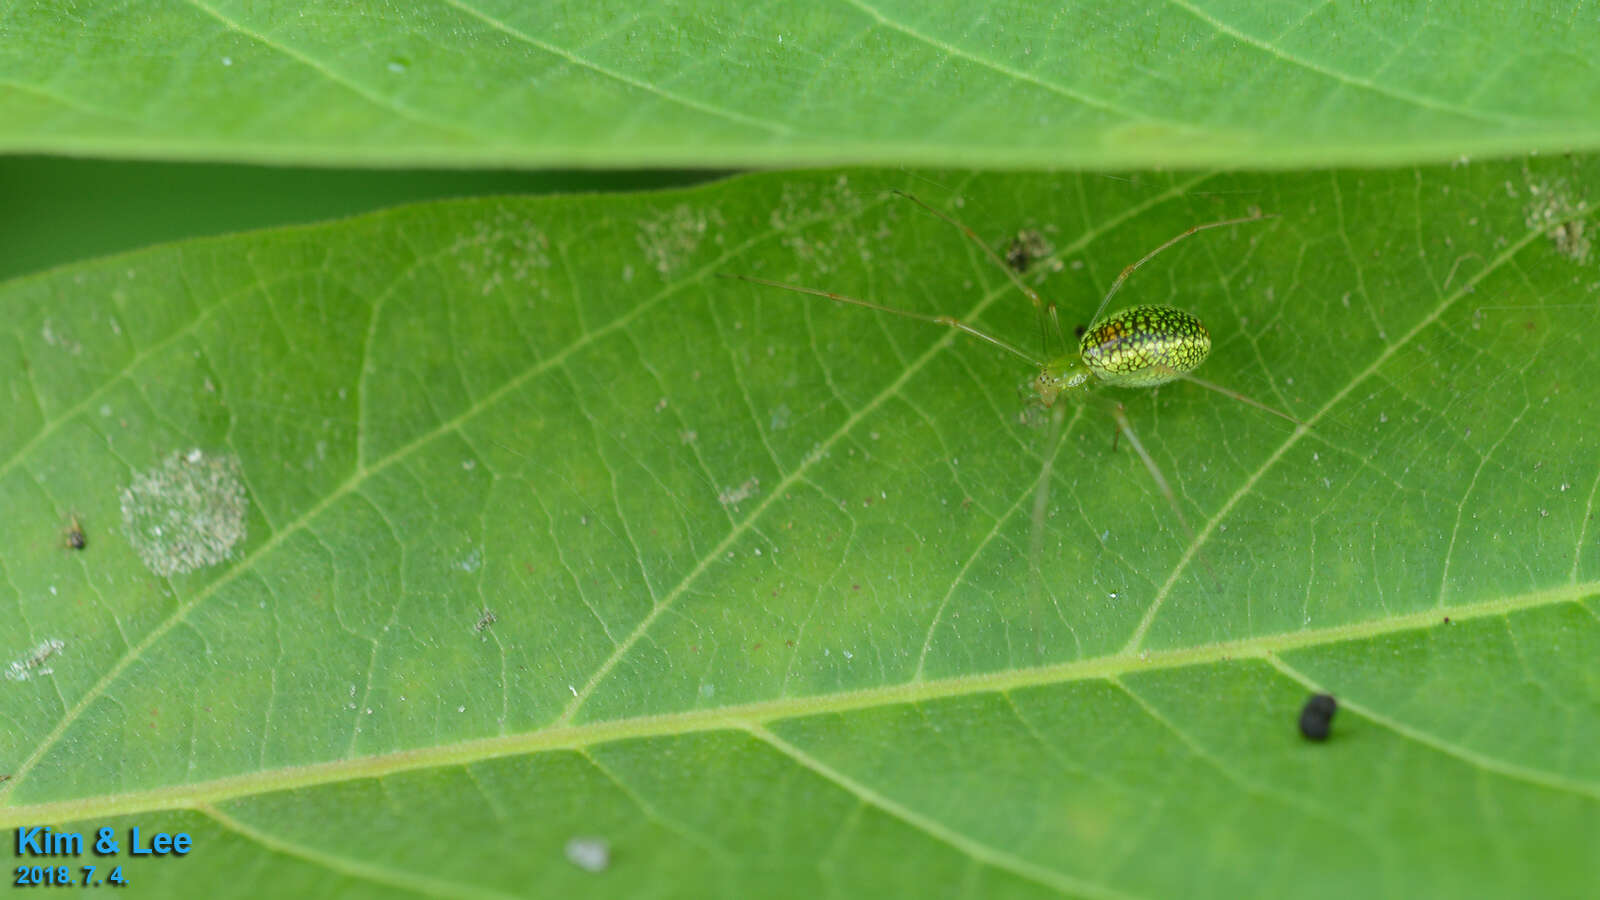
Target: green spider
<point>1141,346</point>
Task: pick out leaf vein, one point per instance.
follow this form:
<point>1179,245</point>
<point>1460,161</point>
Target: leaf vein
<point>1343,78</point>
<point>973,848</point>
<point>775,128</point>
<point>1473,758</point>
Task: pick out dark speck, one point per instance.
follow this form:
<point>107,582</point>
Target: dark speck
<point>1317,716</point>
<point>1026,247</point>
<point>76,539</point>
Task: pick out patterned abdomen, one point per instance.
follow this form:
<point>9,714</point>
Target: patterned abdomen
<point>1144,346</point>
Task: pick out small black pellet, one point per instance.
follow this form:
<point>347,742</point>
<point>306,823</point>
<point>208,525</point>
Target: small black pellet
<point>1317,716</point>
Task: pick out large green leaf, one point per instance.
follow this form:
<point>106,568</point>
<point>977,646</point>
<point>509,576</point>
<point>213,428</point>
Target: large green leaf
<point>767,614</point>
<point>1105,84</point>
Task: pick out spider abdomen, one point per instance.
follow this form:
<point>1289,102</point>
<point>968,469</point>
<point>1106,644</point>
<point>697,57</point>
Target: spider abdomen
<point>1143,346</point>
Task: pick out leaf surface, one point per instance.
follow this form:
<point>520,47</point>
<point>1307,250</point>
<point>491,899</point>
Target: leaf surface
<point>772,610</point>
<point>1101,84</point>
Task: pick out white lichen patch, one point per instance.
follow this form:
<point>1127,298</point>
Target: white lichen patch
<point>733,496</point>
<point>801,203</point>
<point>1552,206</point>
<point>779,418</point>
<point>590,854</point>
<point>503,247</point>
<point>839,206</point>
<point>670,238</point>
<point>51,334</point>
<point>34,661</point>
<point>186,513</point>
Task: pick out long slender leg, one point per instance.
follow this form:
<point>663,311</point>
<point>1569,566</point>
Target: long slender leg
<point>1117,285</point>
<point>1041,508</point>
<point>1323,426</point>
<point>1044,310</point>
<point>921,317</point>
<point>1126,427</point>
<point>1055,324</point>
<point>1230,392</point>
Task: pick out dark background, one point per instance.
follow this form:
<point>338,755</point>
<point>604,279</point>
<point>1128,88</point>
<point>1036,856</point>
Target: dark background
<point>55,210</point>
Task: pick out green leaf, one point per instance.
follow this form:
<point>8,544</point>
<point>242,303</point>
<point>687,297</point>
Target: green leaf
<point>768,616</point>
<point>725,82</point>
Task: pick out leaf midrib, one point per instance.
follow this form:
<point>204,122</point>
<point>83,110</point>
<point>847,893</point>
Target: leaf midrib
<point>754,716</point>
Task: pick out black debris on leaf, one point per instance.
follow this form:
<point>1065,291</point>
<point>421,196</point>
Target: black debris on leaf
<point>1026,247</point>
<point>75,537</point>
<point>1316,718</point>
<point>486,619</point>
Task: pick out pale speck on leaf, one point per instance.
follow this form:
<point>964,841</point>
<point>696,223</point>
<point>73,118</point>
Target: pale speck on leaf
<point>590,854</point>
<point>671,237</point>
<point>1553,207</point>
<point>33,662</point>
<point>736,495</point>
